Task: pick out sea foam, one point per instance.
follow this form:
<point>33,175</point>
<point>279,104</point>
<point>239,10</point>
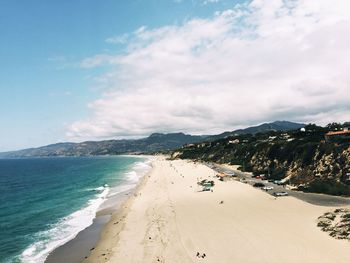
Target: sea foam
<point>65,230</point>
<point>68,227</point>
<point>138,170</point>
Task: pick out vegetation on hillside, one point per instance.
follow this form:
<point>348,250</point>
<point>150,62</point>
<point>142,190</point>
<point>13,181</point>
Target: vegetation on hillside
<point>154,143</point>
<point>301,157</point>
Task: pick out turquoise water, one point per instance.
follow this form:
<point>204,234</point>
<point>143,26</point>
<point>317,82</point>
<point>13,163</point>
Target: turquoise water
<point>44,202</point>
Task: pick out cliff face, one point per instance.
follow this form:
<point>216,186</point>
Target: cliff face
<point>302,159</point>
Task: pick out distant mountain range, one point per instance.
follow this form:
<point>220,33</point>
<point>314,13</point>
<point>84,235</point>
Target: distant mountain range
<point>154,143</point>
<point>265,127</point>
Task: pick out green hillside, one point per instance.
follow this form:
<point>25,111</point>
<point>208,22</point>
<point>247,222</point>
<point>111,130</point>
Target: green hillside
<point>302,158</point>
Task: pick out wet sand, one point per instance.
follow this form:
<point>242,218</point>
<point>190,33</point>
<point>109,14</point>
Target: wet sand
<point>77,249</point>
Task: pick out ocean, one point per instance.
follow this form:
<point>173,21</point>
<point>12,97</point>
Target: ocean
<point>45,202</point>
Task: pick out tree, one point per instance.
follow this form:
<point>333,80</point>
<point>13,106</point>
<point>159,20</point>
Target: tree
<point>313,128</point>
<point>346,124</point>
<point>334,126</point>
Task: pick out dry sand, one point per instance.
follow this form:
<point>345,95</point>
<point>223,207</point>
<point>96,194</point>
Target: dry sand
<point>170,221</point>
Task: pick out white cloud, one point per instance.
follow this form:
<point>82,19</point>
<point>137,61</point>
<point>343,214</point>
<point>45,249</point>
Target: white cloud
<point>121,39</point>
<point>97,60</point>
<point>267,60</point>
<point>205,2</point>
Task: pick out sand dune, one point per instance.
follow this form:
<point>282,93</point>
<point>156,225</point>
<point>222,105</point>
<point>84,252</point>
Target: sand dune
<point>170,221</point>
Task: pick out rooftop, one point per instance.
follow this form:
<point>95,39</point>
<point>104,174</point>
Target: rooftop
<point>338,132</point>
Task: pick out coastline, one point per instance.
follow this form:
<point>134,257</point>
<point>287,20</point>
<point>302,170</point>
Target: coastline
<point>168,220</point>
<point>115,224</point>
<point>78,248</point>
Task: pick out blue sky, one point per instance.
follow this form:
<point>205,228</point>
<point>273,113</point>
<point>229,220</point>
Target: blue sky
<point>42,88</point>
<point>92,70</point>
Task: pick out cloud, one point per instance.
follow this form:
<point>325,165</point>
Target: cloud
<point>121,39</point>
<point>205,2</point>
<point>260,61</point>
<point>97,60</point>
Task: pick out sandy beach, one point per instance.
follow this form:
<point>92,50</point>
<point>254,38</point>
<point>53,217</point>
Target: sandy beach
<point>169,220</point>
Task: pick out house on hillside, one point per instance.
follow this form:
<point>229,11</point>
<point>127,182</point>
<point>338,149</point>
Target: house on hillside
<point>336,136</point>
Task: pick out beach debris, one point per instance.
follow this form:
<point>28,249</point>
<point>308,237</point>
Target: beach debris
<point>205,182</point>
<point>160,260</point>
<point>336,223</point>
<point>199,255</point>
<point>206,188</point>
<point>91,249</point>
<point>206,185</point>
<point>221,202</point>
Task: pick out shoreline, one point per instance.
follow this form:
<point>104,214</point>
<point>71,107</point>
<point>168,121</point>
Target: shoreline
<point>80,247</point>
<point>168,220</point>
<point>116,220</point>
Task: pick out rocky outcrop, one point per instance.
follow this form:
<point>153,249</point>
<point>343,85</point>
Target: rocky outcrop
<point>301,159</point>
<point>336,223</point>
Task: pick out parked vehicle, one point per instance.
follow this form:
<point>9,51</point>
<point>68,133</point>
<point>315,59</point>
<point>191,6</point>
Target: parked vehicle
<point>258,185</point>
<point>267,188</point>
<point>232,174</point>
<point>278,182</point>
<point>280,194</point>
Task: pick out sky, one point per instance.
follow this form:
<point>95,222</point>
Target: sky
<point>101,69</point>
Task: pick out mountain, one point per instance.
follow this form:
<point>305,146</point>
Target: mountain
<point>273,126</point>
<point>154,143</point>
<point>265,127</point>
